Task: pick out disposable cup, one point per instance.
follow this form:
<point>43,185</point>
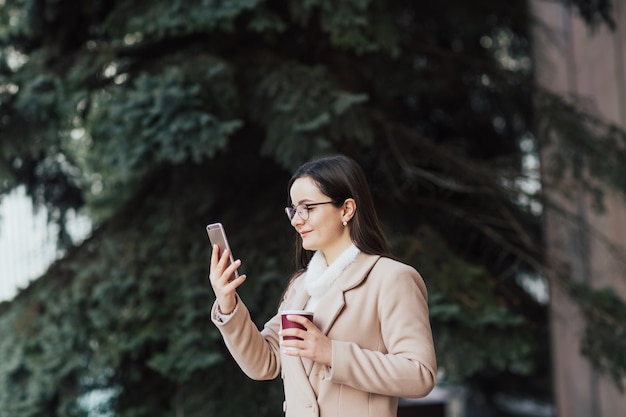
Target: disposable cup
<point>291,324</point>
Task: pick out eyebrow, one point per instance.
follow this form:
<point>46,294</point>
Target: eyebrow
<point>305,201</point>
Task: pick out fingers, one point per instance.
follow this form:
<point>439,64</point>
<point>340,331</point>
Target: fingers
<point>221,267</point>
<point>289,334</point>
<point>215,250</point>
<point>223,260</point>
<point>318,350</point>
<point>295,331</point>
<point>313,344</point>
<point>229,272</point>
<point>302,336</point>
<point>301,320</point>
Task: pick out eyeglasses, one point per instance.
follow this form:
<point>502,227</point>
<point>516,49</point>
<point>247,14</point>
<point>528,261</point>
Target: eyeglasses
<point>302,210</point>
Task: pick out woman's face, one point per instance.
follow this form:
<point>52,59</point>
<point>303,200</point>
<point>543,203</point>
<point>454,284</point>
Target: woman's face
<point>324,229</point>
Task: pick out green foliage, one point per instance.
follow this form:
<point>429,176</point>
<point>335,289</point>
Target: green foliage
<point>604,340</point>
<point>298,104</point>
<point>41,102</point>
<point>168,117</point>
<point>473,327</point>
<point>595,13</point>
<point>363,26</point>
<point>568,125</point>
<point>154,119</point>
<point>134,312</point>
<point>176,18</point>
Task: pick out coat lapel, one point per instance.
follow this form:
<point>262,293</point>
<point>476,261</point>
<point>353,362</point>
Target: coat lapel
<point>332,303</point>
<point>300,298</point>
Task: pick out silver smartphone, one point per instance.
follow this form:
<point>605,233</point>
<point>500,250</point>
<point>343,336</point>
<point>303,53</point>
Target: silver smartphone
<point>217,236</point>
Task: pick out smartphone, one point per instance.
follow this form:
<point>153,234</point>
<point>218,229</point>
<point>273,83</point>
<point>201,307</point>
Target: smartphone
<point>217,236</point>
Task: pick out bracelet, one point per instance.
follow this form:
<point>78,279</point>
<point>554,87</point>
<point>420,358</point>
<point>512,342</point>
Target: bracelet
<point>221,317</point>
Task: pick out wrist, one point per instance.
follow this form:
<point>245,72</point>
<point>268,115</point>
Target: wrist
<point>226,308</point>
<point>228,312</point>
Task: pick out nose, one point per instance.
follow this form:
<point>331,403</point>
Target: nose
<point>296,220</point>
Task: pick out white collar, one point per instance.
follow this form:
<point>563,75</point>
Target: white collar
<point>319,277</point>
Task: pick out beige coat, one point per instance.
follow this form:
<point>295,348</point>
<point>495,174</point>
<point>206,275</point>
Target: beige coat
<point>376,314</point>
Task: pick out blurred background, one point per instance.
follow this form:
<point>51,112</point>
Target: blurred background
<point>492,134</point>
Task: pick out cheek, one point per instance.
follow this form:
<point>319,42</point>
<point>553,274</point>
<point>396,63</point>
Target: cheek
<point>333,231</point>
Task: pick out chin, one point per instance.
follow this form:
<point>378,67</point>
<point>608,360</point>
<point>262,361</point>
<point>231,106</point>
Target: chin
<point>308,246</point>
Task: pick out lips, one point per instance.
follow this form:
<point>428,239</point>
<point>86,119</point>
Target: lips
<point>304,233</point>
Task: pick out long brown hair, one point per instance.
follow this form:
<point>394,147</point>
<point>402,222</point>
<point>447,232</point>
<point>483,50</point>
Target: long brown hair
<point>340,178</point>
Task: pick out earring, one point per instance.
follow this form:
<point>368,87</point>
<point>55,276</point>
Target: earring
<point>345,223</point>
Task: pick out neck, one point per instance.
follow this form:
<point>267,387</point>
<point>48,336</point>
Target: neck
<point>337,249</point>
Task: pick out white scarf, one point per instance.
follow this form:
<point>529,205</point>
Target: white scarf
<point>320,277</point>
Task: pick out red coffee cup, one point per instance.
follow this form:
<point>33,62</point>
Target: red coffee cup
<point>291,324</point>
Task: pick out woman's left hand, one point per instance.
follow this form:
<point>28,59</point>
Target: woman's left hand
<point>314,344</point>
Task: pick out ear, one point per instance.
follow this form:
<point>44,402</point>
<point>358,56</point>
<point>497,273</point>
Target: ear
<point>348,210</point>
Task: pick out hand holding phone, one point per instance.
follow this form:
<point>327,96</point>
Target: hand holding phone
<point>217,235</point>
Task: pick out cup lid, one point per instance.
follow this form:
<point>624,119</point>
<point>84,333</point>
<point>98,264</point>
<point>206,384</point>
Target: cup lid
<point>303,312</point>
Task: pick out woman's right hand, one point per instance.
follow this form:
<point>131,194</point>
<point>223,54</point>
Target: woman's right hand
<point>225,290</point>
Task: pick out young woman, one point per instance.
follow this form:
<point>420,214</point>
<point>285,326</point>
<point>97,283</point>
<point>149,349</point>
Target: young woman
<point>370,340</point>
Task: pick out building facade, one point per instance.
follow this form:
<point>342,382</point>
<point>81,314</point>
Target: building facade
<point>590,245</point>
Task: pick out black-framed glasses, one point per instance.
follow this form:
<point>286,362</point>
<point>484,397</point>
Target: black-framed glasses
<point>302,210</point>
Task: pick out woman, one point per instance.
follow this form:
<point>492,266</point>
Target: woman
<point>370,340</point>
